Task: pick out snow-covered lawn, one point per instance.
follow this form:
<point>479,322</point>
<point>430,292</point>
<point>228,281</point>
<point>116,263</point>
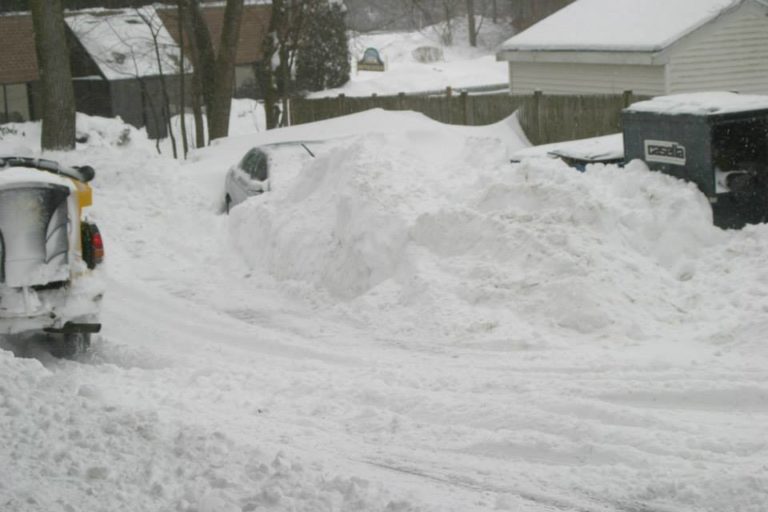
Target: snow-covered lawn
<point>408,323</point>
<point>461,66</point>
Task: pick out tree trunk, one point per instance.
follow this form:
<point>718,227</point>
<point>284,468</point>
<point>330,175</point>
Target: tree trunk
<point>224,77</point>
<point>166,105</point>
<point>269,87</point>
<point>471,23</point>
<point>197,85</point>
<point>216,73</point>
<point>197,111</point>
<point>58,96</point>
<point>182,83</point>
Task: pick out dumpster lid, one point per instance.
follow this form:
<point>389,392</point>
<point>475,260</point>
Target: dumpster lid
<point>701,104</point>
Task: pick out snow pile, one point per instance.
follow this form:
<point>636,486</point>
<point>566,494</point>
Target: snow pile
<point>437,231</point>
<point>19,139</point>
<point>23,139</point>
<point>95,132</point>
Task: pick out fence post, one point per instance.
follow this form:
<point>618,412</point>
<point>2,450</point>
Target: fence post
<point>401,101</point>
<point>627,98</point>
<point>289,114</point>
<point>341,100</point>
<point>468,117</point>
<point>536,117</point>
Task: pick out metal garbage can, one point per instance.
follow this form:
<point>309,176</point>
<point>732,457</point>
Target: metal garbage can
<point>719,141</point>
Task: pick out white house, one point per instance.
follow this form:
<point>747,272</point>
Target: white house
<point>651,47</point>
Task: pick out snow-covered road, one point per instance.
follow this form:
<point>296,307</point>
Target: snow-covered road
<point>233,376</point>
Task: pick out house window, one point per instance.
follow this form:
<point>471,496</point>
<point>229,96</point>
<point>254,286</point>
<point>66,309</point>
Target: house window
<point>14,103</point>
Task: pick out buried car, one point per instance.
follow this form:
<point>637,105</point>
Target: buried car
<point>606,149</point>
<point>252,175</point>
<point>48,251</point>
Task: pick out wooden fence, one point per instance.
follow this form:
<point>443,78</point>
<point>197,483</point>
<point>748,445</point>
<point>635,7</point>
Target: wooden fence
<point>544,118</point>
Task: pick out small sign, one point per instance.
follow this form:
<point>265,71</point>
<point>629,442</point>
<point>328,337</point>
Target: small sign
<point>371,61</point>
<point>665,152</point>
<point>371,56</point>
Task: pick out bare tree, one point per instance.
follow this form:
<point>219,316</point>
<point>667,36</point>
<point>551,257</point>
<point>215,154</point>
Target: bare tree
<point>285,35</point>
<point>182,82</point>
<point>527,12</point>
<point>55,75</point>
<point>214,73</point>
<point>155,27</point>
<point>268,76</point>
<point>471,23</point>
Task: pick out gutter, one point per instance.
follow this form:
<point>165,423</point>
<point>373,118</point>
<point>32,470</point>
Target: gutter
<point>589,56</point>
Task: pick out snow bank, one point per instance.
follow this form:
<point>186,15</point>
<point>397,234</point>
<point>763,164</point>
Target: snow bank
<point>436,230</point>
<point>23,139</point>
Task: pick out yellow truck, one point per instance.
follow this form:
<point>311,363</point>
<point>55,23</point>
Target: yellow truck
<point>50,288</point>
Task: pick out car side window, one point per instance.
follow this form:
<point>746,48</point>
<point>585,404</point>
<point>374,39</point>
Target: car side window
<point>260,169</point>
<point>255,165</point>
<point>244,162</point>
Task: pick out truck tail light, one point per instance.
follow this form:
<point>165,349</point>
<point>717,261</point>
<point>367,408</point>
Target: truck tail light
<point>93,244</point>
<point>98,246</point>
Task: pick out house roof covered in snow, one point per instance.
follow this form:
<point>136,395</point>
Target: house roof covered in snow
<point>18,62</point>
<point>619,26</point>
<point>122,42</point>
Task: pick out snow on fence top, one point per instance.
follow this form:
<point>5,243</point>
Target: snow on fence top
<point>702,103</point>
<point>619,25</point>
<point>122,42</point>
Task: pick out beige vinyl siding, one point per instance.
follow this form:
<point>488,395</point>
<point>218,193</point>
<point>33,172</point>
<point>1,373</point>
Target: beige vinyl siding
<point>732,58</point>
<point>575,78</point>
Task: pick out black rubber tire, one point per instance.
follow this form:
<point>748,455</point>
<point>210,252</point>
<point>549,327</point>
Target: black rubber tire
<point>69,346</point>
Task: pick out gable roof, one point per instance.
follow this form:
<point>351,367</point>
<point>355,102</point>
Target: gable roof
<point>619,25</point>
<point>254,25</point>
<point>18,61</point>
<point>122,42</point>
